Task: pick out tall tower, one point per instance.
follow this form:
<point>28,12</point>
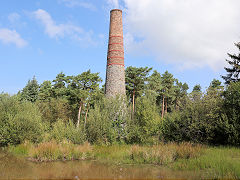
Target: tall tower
<point>115,73</point>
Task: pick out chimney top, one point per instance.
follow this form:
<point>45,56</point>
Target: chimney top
<point>116,10</point>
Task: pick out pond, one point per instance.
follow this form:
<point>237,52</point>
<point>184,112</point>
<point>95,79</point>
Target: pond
<point>12,167</point>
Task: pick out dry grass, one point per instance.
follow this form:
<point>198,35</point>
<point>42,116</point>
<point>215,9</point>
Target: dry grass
<point>164,153</point>
<point>161,154</point>
<point>188,150</point>
<point>51,151</point>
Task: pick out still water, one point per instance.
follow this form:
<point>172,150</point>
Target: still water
<point>19,168</point>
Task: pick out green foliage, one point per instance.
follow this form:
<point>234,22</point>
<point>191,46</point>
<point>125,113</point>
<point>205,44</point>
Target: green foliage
<point>180,93</point>
<point>232,109</point>
<point>202,120</point>
<point>216,84</point>
<point>107,121</point>
<point>19,121</point>
<point>82,86</point>
<point>197,88</point>
<point>155,84</point>
<point>30,91</point>
<point>145,124</point>
<point>67,130</point>
<point>135,79</point>
<point>46,91</point>
<point>196,93</point>
<point>74,108</point>
<point>59,85</point>
<point>54,109</point>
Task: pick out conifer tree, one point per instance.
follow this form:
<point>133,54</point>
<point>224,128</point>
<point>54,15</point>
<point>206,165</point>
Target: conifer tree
<point>80,90</point>
<point>155,84</point>
<point>233,72</point>
<point>30,91</point>
<point>167,90</point>
<point>135,81</point>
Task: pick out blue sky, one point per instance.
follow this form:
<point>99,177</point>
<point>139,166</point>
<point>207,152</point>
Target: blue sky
<point>42,38</point>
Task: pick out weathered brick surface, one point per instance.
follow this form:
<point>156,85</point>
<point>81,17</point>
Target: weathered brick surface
<point>115,74</point>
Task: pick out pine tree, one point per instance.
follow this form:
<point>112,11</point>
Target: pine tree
<point>45,91</point>
<point>30,91</point>
<point>196,93</point>
<point>81,91</point>
<point>155,85</point>
<point>233,71</point>
<point>135,81</point>
<point>167,91</point>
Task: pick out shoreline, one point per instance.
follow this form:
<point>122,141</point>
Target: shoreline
<point>220,162</point>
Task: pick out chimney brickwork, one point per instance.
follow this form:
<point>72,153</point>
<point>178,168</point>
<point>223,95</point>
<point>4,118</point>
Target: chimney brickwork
<point>115,73</point>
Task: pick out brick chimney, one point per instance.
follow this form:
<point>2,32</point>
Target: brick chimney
<point>115,73</point>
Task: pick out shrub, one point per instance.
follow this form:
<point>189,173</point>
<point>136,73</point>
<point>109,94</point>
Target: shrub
<point>67,130</point>
<point>146,122</point>
<point>19,121</point>
<point>53,109</point>
<point>202,120</point>
<point>107,121</point>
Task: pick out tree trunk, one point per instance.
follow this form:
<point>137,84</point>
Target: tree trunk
<point>79,114</point>
<point>163,106</point>
<point>166,107</point>
<point>133,102</point>
<point>85,121</point>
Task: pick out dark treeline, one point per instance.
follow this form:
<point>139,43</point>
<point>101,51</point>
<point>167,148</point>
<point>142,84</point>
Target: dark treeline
<point>157,108</point>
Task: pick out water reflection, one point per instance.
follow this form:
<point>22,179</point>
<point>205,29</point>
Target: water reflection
<point>19,168</point>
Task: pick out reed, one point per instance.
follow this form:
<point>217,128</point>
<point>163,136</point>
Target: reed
<point>161,154</point>
<point>52,151</point>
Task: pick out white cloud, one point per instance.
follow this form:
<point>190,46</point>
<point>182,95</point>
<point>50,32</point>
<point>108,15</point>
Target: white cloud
<point>8,36</point>
<point>13,17</point>
<point>54,30</point>
<point>188,34</point>
<point>78,3</point>
<point>113,3</point>
<point>57,31</point>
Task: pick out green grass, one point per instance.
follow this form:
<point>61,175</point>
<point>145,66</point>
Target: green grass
<point>113,154</point>
<point>217,162</point>
<point>21,149</point>
<point>161,154</point>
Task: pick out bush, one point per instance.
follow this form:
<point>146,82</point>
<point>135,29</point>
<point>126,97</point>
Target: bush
<point>175,128</point>
<point>146,122</point>
<point>204,120</point>
<point>67,130</point>
<point>19,121</point>
<point>53,109</point>
<point>107,121</point>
